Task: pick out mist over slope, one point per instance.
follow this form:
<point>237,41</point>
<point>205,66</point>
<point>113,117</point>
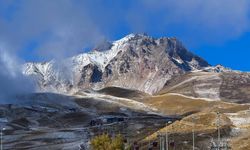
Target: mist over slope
<point>13,82</point>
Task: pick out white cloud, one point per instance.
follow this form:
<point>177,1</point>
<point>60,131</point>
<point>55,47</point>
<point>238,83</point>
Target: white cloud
<point>13,82</point>
<point>212,21</point>
<point>65,27</point>
<point>62,27</point>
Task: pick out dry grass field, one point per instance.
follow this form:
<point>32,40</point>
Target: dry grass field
<point>180,105</point>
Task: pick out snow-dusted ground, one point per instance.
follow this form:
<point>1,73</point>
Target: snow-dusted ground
<point>47,138</point>
<point>205,86</point>
<point>190,97</point>
<point>126,103</point>
<point>240,119</point>
<point>55,135</point>
<point>209,89</point>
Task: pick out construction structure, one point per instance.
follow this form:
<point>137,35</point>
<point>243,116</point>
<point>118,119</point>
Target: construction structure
<point>220,144</point>
<point>166,141</point>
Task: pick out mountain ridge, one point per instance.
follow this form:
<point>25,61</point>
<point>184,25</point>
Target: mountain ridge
<point>137,61</point>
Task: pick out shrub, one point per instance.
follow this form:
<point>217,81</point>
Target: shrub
<point>105,142</point>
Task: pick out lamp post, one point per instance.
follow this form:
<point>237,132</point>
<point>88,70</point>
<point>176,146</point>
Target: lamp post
<point>2,129</point>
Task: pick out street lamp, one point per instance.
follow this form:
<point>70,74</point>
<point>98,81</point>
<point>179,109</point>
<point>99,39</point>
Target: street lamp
<point>2,129</point>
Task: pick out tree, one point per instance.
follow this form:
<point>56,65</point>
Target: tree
<point>105,142</point>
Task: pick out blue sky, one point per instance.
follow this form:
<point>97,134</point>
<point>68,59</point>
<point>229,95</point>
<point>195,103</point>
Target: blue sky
<point>38,30</point>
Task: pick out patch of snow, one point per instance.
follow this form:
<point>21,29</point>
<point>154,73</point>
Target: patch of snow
<point>77,62</point>
<point>178,60</point>
<point>216,69</point>
<point>219,69</point>
<point>190,97</point>
<point>127,103</point>
<point>209,89</point>
<point>239,119</point>
<point>204,85</point>
<point>183,82</point>
<point>193,64</point>
<point>196,70</point>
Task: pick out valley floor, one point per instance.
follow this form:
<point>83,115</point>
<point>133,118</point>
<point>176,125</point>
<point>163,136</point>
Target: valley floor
<point>51,121</point>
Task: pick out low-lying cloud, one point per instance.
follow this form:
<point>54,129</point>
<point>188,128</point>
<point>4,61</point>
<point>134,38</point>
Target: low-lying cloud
<point>13,82</point>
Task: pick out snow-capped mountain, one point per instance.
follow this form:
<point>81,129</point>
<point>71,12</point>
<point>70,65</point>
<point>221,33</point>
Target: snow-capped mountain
<point>136,61</point>
<point>181,83</point>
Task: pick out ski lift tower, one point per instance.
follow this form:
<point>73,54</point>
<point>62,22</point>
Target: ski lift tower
<point>220,145</point>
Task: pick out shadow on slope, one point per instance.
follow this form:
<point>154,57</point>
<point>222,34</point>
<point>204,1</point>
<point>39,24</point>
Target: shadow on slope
<point>122,92</point>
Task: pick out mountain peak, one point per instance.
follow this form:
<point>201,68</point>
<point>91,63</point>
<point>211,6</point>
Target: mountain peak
<point>136,61</point>
<point>133,35</point>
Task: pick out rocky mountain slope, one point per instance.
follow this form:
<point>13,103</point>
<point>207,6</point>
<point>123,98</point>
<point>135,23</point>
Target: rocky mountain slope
<point>142,63</point>
<point>135,62</point>
<point>212,83</point>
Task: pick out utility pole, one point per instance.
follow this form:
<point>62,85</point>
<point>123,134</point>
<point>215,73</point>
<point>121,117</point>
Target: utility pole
<point>159,135</point>
<point>148,144</point>
<point>160,143</point>
<point>193,131</point>
<point>173,135</point>
<point>218,128</point>
<point>193,139</point>
<point>169,122</point>
<point>162,140</point>
<point>2,129</point>
<point>166,140</point>
<point>166,136</point>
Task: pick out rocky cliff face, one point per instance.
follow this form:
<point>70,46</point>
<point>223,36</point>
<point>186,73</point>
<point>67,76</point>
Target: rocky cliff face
<point>136,62</point>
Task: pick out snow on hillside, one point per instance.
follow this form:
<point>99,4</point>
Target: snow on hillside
<point>101,58</point>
